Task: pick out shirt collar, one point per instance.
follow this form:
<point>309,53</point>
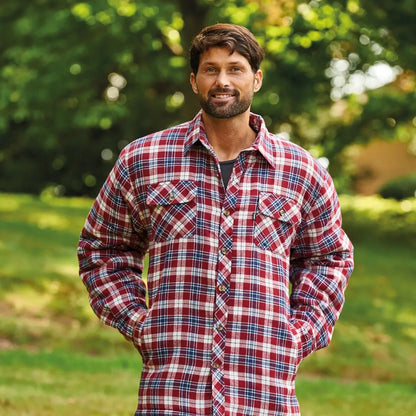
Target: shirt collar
<point>264,142</point>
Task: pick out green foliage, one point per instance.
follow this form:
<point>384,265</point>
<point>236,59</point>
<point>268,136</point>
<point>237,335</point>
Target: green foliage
<point>79,80</point>
<point>400,188</point>
<point>375,218</point>
<point>72,74</point>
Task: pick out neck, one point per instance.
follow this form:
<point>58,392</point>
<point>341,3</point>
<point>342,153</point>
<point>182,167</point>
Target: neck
<point>229,137</point>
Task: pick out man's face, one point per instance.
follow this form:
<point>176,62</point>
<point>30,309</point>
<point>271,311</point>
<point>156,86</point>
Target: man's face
<point>225,83</point>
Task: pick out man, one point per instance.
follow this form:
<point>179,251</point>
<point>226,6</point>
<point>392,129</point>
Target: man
<point>230,215</point>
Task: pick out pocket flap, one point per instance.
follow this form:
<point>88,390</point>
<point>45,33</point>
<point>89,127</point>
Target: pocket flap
<point>279,207</point>
<point>173,192</point>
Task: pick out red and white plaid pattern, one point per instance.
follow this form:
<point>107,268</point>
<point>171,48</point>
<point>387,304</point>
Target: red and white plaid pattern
<point>221,334</point>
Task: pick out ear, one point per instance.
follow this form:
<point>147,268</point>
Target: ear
<point>258,80</point>
<point>192,80</point>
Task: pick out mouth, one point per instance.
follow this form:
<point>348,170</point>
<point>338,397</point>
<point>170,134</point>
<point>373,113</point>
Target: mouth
<point>222,95</point>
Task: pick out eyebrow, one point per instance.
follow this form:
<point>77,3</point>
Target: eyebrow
<point>229,63</point>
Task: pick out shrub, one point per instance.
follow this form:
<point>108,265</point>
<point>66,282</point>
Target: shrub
<point>372,217</point>
<point>399,188</point>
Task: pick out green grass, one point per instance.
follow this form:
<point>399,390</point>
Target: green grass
<point>48,384</point>
<point>329,397</point>
<point>56,358</point>
<point>63,383</point>
<point>375,337</point>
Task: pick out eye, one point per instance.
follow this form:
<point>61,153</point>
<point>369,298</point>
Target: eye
<point>210,69</point>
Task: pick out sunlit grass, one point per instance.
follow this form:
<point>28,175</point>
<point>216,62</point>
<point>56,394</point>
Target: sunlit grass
<point>67,384</point>
<point>38,239</point>
<point>375,336</point>
<point>47,384</point>
<point>329,397</point>
<point>57,358</point>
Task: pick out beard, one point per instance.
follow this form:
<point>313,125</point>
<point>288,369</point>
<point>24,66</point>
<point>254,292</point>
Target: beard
<point>226,110</point>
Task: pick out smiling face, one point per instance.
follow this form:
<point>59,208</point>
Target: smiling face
<point>225,83</point>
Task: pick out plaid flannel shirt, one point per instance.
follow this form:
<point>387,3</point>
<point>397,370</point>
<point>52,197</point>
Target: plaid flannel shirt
<point>222,333</point>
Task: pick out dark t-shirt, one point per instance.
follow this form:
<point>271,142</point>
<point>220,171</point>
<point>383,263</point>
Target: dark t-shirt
<point>226,170</point>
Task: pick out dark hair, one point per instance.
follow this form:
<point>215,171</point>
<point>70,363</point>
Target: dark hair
<point>225,35</point>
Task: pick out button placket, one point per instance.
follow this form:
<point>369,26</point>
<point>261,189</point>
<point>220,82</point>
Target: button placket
<point>221,301</point>
<point>226,228</point>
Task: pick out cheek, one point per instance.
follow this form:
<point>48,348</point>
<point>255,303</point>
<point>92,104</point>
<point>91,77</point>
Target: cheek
<point>201,88</point>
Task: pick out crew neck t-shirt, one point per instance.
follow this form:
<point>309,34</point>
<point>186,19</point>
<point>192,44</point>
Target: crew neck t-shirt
<point>226,170</point>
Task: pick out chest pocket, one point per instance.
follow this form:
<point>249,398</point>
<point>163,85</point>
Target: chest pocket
<point>276,222</point>
<point>173,209</point>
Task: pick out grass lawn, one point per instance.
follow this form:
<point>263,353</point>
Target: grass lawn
<point>57,359</point>
<point>63,383</point>
<point>66,384</point>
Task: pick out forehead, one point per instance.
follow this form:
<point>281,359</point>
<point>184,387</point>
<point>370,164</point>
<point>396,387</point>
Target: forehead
<point>222,56</point>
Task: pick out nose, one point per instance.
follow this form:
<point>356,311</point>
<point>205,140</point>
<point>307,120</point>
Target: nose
<point>222,79</point>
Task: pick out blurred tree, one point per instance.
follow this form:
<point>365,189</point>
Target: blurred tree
<point>79,80</point>
<point>377,50</point>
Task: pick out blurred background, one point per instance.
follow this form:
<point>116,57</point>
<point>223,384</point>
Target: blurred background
<point>80,80</point>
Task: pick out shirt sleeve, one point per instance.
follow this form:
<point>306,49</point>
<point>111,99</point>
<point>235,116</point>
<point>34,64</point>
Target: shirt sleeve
<point>321,264</point>
<point>111,250</point>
